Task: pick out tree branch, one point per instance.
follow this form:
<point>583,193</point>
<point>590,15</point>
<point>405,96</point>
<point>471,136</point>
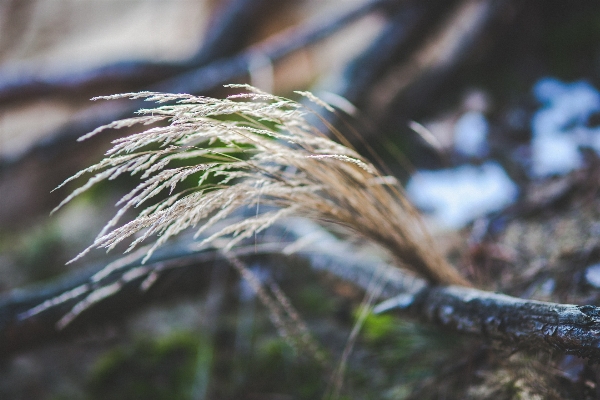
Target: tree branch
<point>506,320</point>
<point>29,318</point>
<point>405,28</point>
<point>232,25</point>
<point>204,79</point>
<point>410,85</point>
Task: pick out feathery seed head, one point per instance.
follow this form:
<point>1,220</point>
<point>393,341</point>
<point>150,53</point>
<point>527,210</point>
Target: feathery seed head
<point>257,150</point>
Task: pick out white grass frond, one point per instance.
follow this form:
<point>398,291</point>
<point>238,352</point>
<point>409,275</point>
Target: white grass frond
<point>315,100</point>
<point>256,150</point>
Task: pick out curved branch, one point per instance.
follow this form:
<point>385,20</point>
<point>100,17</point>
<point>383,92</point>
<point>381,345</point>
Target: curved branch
<point>500,319</point>
<point>232,26</point>
<point>204,79</point>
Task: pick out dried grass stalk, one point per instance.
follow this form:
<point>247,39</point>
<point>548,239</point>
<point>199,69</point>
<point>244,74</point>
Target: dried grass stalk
<point>252,150</point>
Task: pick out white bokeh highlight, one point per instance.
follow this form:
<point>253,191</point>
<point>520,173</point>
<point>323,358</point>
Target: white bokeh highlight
<point>454,197</point>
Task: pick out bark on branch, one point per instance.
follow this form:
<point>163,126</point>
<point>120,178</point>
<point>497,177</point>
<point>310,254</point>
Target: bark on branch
<point>505,320</point>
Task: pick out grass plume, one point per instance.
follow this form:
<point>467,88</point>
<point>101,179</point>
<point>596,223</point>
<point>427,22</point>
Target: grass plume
<point>255,150</point>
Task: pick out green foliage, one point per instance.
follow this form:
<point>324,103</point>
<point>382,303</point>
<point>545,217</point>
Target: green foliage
<point>150,369</point>
<point>278,368</point>
<point>315,300</point>
<point>406,337</point>
<point>39,253</point>
<point>404,354</point>
<point>379,330</point>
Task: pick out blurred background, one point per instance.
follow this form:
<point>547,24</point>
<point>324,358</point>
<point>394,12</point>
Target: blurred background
<point>487,110</point>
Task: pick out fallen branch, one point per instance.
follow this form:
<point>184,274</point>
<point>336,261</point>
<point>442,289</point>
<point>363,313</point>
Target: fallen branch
<point>506,320</point>
<point>500,319</point>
